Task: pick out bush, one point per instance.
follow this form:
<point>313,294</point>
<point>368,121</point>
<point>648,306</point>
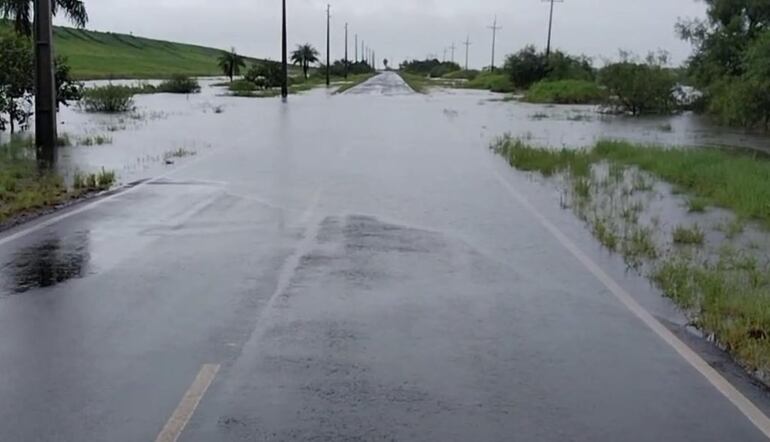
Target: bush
<point>639,88</point>
<point>180,84</point>
<point>526,67</point>
<point>493,81</point>
<point>428,67</point>
<point>267,74</point>
<point>108,99</point>
<point>566,92</point>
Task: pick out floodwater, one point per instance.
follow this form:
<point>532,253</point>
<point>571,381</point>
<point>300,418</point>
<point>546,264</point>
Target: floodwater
<point>162,123</point>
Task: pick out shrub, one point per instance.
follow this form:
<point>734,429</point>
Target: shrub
<point>180,84</point>
<point>108,99</point>
<point>429,67</point>
<point>526,67</point>
<point>566,92</point>
<point>267,74</point>
<point>639,88</point>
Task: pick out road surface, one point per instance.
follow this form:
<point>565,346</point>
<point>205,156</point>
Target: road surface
<point>354,267</point>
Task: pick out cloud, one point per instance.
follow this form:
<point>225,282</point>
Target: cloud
<point>399,29</point>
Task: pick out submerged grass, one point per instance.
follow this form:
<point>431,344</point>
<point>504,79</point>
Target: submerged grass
<point>724,291</point>
<point>24,189</point>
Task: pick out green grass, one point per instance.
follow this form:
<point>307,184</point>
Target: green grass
<point>725,292</point>
<point>106,55</point>
<point>566,92</point>
<point>23,189</point>
<point>689,235</point>
<point>734,180</point>
<point>492,81</point>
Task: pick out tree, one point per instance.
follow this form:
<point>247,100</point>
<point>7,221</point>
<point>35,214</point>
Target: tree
<point>304,56</point>
<point>20,13</point>
<point>16,67</point>
<point>728,50</point>
<point>66,88</point>
<point>640,87</point>
<point>526,67</point>
<point>231,63</point>
<point>266,74</point>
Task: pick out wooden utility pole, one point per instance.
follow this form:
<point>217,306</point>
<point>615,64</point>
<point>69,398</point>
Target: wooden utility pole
<point>356,50</point>
<point>494,29</point>
<point>346,51</point>
<point>284,57</point>
<point>45,87</point>
<point>550,26</point>
<point>467,49</point>
<point>328,44</point>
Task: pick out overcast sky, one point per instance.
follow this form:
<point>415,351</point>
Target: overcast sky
<point>399,29</point>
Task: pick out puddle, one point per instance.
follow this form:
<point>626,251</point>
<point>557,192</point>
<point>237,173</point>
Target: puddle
<point>50,262</point>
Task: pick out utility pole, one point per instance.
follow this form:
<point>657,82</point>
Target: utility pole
<point>346,51</point>
<point>356,46</point>
<point>328,45</point>
<point>374,60</point>
<point>453,47</point>
<point>494,29</point>
<point>45,90</point>
<point>363,50</point>
<point>443,60</point>
<point>284,58</point>
<point>550,27</point>
<point>467,48</point>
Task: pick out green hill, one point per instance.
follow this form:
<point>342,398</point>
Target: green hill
<point>95,55</point>
<point>104,55</point>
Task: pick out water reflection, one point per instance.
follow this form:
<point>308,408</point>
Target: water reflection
<point>51,261</point>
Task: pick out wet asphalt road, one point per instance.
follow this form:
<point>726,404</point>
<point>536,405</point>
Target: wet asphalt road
<point>357,274</point>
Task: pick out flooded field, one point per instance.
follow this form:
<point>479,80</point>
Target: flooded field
<point>137,144</point>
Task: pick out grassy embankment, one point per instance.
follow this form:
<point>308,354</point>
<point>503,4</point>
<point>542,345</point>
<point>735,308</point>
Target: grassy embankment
<point>24,190</point>
<point>723,284</point>
<point>566,92</point>
<point>107,55</point>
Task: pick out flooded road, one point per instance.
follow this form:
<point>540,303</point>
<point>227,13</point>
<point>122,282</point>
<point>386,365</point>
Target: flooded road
<point>338,267</point>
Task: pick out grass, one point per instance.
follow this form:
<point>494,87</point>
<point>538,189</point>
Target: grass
<point>96,140</point>
<point>689,235</point>
<point>566,92</point>
<point>108,99</point>
<point>734,180</point>
<point>492,81</point>
<point>106,55</point>
<point>697,204</point>
<point>23,189</point>
<point>178,153</point>
<point>92,182</point>
<point>725,292</point>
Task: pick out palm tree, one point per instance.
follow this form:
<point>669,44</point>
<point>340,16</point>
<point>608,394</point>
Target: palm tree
<point>21,14</point>
<point>231,63</point>
<point>304,55</point>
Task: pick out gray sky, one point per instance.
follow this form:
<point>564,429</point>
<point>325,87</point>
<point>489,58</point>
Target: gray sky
<point>399,29</point>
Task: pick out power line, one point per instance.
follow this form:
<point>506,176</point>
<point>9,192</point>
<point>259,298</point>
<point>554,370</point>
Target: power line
<point>494,29</point>
<point>467,49</point>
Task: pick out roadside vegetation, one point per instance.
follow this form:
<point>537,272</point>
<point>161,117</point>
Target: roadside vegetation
<point>24,190</point>
<point>566,92</point>
<point>709,269</point>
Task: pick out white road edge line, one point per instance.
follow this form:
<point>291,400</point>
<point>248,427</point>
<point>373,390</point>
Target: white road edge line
<point>754,414</point>
<point>88,206</point>
<point>189,403</point>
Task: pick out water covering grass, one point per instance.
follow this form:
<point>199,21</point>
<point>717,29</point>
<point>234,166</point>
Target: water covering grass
<point>723,285</point>
<point>24,189</point>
